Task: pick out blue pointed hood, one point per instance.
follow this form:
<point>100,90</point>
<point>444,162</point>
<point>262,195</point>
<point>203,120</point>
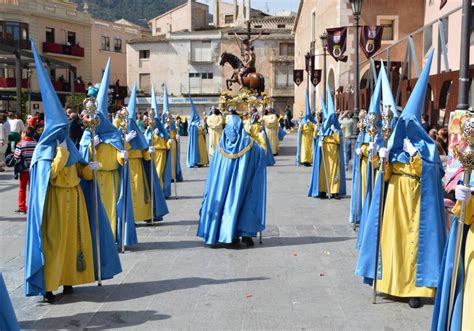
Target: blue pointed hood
<point>56,125</point>
<point>139,142</point>
<point>409,124</point>
<point>195,119</point>
<point>158,123</point>
<point>387,95</point>
<point>308,117</point>
<point>374,107</point>
<point>166,105</point>
<point>329,117</point>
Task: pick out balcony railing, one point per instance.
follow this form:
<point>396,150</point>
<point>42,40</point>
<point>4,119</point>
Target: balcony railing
<point>63,49</point>
<point>66,86</point>
<point>11,82</point>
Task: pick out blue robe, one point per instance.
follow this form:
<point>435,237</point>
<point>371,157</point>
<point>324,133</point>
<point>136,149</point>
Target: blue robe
<point>270,158</point>
<point>193,146</point>
<point>356,187</point>
<point>234,201</point>
<point>8,319</point>
<point>281,133</point>
<point>179,173</point>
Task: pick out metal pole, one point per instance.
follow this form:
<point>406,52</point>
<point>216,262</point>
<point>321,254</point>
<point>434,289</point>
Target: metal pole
<point>324,75</point>
<point>18,81</point>
<point>151,125</point>
<point>357,78</point>
<point>123,115</point>
<point>463,96</point>
<point>29,90</point>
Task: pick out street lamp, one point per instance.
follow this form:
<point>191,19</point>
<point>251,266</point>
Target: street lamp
<point>28,75</point>
<point>356,11</point>
<point>324,42</point>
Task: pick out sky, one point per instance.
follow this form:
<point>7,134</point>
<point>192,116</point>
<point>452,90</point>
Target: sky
<point>270,6</point>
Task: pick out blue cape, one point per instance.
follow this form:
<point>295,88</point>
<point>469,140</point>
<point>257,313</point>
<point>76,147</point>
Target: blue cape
<point>193,159</point>
<point>234,201</point>
<point>171,126</point>
<point>270,158</point>
<point>432,233</point>
<point>329,120</point>
<point>356,188</point>
<point>281,133</point>
<point>8,319</point>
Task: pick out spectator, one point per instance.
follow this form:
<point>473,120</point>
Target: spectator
<point>288,118</point>
<point>434,135</point>
<point>141,122</point>
<point>16,127</point>
<point>3,144</point>
<point>443,139</point>
<point>425,123</point>
<point>23,154</point>
<point>75,128</point>
<point>347,126</point>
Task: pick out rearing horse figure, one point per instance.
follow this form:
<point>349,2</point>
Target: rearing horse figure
<point>253,81</point>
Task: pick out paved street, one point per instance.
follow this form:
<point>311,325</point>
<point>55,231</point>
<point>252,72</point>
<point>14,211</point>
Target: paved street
<point>302,277</point>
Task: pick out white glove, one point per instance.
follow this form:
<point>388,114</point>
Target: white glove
<point>384,153</point>
<point>124,155</point>
<point>371,146</point>
<point>96,141</point>
<point>408,147</point>
<point>62,144</point>
<point>333,128</point>
<point>170,141</point>
<point>320,143</point>
<point>129,136</point>
<point>462,193</point>
<point>151,149</point>
<point>156,131</point>
<point>358,151</point>
<point>94,165</point>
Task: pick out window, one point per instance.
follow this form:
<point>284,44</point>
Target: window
<point>313,26</point>
<point>144,54</point>
<point>194,75</point>
<point>52,74</point>
<point>71,38</point>
<point>105,43</point>
<point>390,27</point>
<point>258,26</point>
<point>118,45</point>
<point>207,75</point>
<point>144,82</point>
<point>287,49</point>
<point>284,76</point>
<point>49,35</point>
<point>229,19</point>
<point>201,51</point>
<point>281,26</point>
<point>158,30</point>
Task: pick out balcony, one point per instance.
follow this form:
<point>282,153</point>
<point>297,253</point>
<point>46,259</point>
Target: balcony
<point>11,82</point>
<point>63,50</point>
<point>66,86</point>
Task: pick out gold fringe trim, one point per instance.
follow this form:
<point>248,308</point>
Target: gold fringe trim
<point>237,155</point>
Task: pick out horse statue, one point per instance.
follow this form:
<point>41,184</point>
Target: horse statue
<point>253,81</point>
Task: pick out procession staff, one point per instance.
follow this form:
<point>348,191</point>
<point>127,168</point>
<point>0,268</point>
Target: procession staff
<point>141,174</point>
<point>162,145</point>
<point>59,238</point>
<point>234,201</point>
<point>215,124</point>
<point>197,153</point>
<point>306,129</point>
<point>111,156</point>
<point>329,156</point>
<point>271,124</point>
<point>151,149</point>
<point>454,302</point>
<point>412,238</point>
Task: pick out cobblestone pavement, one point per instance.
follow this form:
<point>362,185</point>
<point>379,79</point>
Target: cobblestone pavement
<point>302,277</point>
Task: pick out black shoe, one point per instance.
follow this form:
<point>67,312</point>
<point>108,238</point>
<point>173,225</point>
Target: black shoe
<point>67,289</point>
<point>236,241</point>
<point>337,197</point>
<point>414,303</point>
<point>323,196</point>
<point>18,211</point>
<point>49,297</point>
<point>247,241</point>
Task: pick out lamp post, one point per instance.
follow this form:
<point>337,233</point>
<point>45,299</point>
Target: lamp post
<point>28,75</point>
<point>309,67</point>
<point>324,42</point>
<point>356,11</point>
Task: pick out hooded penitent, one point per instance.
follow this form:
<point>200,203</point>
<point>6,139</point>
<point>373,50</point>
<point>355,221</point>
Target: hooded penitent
<point>197,154</point>
<point>304,146</point>
<point>111,138</point>
<point>431,236</point>
<point>139,148</point>
<point>335,172</point>
<point>161,146</point>
<point>235,193</point>
<point>55,129</point>
<point>8,319</point>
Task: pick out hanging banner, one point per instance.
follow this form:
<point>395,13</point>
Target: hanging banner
<point>371,39</point>
<point>316,77</point>
<point>442,4</point>
<point>298,76</point>
<point>337,38</point>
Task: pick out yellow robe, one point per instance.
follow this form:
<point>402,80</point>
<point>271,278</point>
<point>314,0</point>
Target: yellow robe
<point>468,298</point>
<point>174,149</point>
<point>215,124</point>
<point>306,143</point>
<point>139,185</point>
<point>400,229</point>
<point>161,147</point>
<point>108,178</point>
<point>203,157</point>
<point>66,213</point>
<point>271,126</point>
<point>330,149</point>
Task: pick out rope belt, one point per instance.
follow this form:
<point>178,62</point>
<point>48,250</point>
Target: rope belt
<point>417,178</point>
<point>236,155</point>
